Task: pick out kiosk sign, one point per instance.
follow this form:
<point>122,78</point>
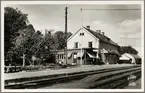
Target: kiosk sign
<point>131,79</point>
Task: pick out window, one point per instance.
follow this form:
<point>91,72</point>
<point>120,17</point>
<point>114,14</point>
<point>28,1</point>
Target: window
<point>76,45</point>
<point>58,56</point>
<point>62,56</point>
<point>90,44</point>
<point>81,34</point>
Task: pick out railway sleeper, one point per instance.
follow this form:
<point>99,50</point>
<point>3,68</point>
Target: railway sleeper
<point>21,80</point>
<point>48,82</point>
<point>112,79</point>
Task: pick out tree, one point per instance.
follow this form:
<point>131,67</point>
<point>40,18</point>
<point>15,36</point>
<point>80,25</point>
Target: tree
<point>25,41</point>
<point>59,38</point>
<point>21,39</point>
<point>35,45</point>
<point>45,48</point>
<point>14,20</point>
<point>128,49</point>
<point>69,34</point>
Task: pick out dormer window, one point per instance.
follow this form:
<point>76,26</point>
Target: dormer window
<point>81,34</point>
<point>108,39</point>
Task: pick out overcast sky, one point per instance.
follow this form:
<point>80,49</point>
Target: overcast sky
<point>122,26</point>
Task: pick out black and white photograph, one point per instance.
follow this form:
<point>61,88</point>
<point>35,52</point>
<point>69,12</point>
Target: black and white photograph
<point>72,46</point>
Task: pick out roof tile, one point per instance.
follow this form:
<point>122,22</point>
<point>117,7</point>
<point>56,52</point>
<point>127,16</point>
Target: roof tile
<point>101,37</point>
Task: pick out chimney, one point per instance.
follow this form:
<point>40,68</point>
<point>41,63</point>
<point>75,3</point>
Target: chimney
<point>98,31</point>
<point>88,27</point>
<point>103,33</point>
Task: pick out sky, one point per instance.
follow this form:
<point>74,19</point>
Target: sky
<point>122,25</point>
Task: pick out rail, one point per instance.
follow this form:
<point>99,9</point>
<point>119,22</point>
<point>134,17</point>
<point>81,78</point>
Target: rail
<point>49,80</point>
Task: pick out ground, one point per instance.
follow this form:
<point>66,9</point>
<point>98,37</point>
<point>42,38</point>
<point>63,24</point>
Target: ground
<point>135,85</point>
<point>23,74</point>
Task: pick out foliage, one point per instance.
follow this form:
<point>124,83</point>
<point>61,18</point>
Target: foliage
<point>25,41</point>
<point>22,39</point>
<point>14,20</point>
<point>59,38</point>
<point>128,49</point>
<point>45,48</point>
<point>69,34</point>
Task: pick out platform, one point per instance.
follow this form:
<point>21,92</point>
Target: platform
<point>23,74</point>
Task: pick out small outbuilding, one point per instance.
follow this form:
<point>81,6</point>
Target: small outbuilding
<point>130,58</point>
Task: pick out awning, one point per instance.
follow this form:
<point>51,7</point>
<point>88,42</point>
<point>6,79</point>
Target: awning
<point>135,56</point>
<point>80,54</point>
<point>69,54</point>
<point>104,51</point>
<point>115,52</point>
<point>91,55</point>
<point>111,51</point>
<point>123,57</point>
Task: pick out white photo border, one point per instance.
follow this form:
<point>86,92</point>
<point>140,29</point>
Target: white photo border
<point>72,2</point>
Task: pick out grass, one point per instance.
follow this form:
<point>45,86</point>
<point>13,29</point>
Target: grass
<point>13,69</point>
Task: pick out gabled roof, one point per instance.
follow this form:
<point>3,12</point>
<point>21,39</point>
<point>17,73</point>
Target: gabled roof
<point>101,37</point>
<point>133,55</point>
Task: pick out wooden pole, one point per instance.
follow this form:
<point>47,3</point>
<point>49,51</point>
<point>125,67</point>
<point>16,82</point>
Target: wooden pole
<point>66,34</point>
<point>81,42</point>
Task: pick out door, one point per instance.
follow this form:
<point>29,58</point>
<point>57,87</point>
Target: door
<point>75,58</point>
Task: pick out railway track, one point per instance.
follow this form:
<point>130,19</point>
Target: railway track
<point>117,80</point>
<point>104,76</point>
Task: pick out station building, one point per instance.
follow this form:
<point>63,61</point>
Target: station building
<point>90,47</point>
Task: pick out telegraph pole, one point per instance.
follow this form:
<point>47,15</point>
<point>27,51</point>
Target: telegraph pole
<point>81,39</point>
<point>66,34</point>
